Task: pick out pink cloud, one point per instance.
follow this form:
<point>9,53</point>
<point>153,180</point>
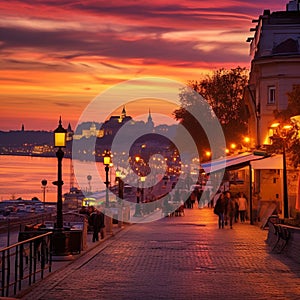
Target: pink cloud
<point>73,49</point>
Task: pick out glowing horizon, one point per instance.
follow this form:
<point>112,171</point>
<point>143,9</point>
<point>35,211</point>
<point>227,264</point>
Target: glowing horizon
<point>58,56</point>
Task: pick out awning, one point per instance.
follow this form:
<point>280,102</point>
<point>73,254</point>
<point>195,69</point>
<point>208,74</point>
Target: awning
<point>230,162</point>
<point>269,163</point>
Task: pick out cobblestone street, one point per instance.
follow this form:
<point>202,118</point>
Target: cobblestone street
<point>185,257</point>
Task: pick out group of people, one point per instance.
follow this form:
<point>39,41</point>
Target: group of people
<point>230,208</point>
<point>95,220</point>
<point>199,197</point>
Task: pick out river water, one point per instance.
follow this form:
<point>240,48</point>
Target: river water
<point>21,176</point>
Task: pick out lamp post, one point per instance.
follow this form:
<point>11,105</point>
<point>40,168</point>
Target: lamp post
<point>281,134</point>
<point>110,168</point>
<point>44,186</point>
<point>139,164</point>
<point>137,206</point>
<point>247,143</point>
<point>119,176</point>
<point>59,142</point>
<point>89,178</point>
<point>107,162</point>
<point>60,239</point>
<point>285,187</point>
<point>284,133</point>
<point>107,219</point>
<point>139,198</point>
<point>143,178</point>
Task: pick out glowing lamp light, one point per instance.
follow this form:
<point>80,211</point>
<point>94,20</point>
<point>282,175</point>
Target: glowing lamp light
<point>208,153</point>
<point>118,173</point>
<point>107,159</point>
<point>287,127</point>
<point>60,136</point>
<point>247,139</point>
<point>143,178</point>
<point>275,125</point>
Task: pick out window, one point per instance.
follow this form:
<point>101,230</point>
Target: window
<point>271,95</point>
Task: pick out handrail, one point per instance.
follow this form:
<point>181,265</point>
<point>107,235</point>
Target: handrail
<point>19,267</point>
<point>27,241</point>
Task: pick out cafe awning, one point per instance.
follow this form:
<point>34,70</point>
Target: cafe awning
<point>269,163</point>
<point>231,162</point>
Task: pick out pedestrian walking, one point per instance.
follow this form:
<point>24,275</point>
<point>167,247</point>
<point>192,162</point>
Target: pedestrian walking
<point>219,209</point>
<point>97,221</point>
<point>230,207</point>
<point>193,198</point>
<point>236,210</point>
<point>242,206</point>
<point>215,198</point>
<point>188,202</point>
<point>226,207</point>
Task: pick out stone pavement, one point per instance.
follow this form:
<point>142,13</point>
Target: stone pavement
<point>184,257</point>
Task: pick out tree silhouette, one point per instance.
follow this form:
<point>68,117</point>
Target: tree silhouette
<point>223,91</point>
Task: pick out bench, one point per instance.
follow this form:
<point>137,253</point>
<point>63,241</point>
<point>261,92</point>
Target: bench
<point>283,236</point>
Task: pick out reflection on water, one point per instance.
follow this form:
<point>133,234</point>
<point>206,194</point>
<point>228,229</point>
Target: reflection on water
<point>21,176</point>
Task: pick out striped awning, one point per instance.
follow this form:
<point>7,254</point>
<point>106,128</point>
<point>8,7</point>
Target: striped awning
<point>270,163</point>
<point>231,162</point>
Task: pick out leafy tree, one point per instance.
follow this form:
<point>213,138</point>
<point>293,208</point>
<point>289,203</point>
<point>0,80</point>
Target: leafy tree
<point>286,117</point>
<point>223,91</point>
<point>293,107</point>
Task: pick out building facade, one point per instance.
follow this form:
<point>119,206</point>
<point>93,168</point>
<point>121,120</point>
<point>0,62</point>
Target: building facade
<point>275,71</point>
<point>275,68</point>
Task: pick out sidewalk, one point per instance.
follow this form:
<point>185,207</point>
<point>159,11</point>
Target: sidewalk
<point>184,257</point>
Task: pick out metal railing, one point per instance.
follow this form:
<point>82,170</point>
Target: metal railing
<point>11,224</point>
<point>23,261</point>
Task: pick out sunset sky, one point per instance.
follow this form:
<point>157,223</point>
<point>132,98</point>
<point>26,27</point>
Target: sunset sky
<point>57,55</point>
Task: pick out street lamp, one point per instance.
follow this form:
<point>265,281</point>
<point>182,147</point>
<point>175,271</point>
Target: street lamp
<point>247,141</point>
<point>119,177</point>
<point>208,154</point>
<point>143,178</point>
<point>281,134</point>
<point>233,146</point>
<point>60,239</point>
<point>285,188</point>
<point>284,170</point>
<point>106,161</point>
<point>59,142</point>
<point>44,186</point>
<point>108,219</point>
<point>89,178</point>
<point>138,207</point>
<point>110,166</point>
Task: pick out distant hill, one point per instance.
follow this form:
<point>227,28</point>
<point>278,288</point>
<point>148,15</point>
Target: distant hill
<point>19,138</point>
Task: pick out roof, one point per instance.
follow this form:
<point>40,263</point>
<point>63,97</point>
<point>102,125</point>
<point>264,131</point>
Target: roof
<point>269,163</point>
<point>230,162</point>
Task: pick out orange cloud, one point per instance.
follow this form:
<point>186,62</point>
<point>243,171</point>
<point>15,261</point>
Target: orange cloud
<point>57,56</point>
